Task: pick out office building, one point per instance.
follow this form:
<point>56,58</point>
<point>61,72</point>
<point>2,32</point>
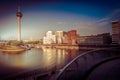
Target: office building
<point>115,32</point>
<point>49,38</point>
<point>59,37</point>
<point>100,39</point>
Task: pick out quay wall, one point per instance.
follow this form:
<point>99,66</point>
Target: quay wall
<point>86,47</point>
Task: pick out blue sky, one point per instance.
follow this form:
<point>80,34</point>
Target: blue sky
<point>87,17</point>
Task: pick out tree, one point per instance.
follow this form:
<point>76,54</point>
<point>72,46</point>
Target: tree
<point>15,42</point>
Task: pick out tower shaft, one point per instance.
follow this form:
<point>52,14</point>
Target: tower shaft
<point>19,28</point>
<point>19,15</point>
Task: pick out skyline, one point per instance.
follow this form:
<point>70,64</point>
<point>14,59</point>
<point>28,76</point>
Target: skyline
<point>90,17</point>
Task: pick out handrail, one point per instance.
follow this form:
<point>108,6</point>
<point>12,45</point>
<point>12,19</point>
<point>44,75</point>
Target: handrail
<point>64,68</point>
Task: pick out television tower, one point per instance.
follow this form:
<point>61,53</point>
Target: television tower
<point>19,15</point>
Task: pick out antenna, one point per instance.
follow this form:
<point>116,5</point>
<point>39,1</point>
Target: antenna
<point>19,8</point>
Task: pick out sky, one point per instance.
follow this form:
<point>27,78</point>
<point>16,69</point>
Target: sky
<point>88,17</point>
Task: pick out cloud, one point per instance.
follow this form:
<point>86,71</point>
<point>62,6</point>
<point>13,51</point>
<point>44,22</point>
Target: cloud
<point>115,15</point>
<point>102,25</point>
<point>102,20</point>
<point>93,27</point>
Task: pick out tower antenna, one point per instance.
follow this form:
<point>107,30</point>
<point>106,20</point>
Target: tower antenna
<point>19,8</point>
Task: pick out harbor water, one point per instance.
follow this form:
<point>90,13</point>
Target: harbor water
<point>44,59</point>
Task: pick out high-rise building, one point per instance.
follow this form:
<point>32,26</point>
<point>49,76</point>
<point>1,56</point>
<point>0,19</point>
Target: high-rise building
<point>115,32</point>
<point>19,15</point>
<point>59,37</point>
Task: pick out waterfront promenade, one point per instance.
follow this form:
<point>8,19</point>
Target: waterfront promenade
<point>11,49</point>
<point>77,46</point>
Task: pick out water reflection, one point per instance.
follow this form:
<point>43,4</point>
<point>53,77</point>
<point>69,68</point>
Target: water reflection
<point>46,58</point>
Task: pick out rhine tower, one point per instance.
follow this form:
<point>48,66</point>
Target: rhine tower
<point>19,16</point>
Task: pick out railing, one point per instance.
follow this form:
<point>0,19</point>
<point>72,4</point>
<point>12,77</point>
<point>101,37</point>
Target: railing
<point>81,66</point>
